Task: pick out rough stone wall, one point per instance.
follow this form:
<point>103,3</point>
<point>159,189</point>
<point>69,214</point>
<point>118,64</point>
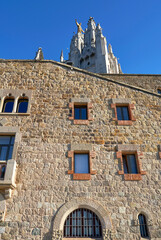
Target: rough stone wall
<point>149,82</point>
<point>43,184</point>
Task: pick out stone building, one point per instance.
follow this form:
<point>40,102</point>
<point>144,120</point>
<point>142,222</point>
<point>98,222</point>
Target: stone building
<point>80,153</point>
<point>89,51</point>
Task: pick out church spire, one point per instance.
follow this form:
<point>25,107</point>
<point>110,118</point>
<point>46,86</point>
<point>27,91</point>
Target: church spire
<point>89,50</point>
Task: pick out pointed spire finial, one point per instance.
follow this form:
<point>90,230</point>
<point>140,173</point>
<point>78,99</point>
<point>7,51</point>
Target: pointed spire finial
<point>39,55</point>
<point>61,56</point>
<point>110,48</point>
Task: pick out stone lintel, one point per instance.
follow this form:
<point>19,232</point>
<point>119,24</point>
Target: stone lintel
<point>121,100</point>
<point>80,100</point>
<point>128,147</point>
<point>81,147</point>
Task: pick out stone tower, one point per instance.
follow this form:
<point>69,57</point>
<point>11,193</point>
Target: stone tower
<point>89,51</point>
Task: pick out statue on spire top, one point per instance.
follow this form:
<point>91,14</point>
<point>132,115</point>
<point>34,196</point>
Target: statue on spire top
<point>79,28</point>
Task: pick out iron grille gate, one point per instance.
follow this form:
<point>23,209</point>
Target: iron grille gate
<point>82,223</point>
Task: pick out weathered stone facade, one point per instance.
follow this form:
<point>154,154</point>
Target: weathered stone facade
<point>45,193</point>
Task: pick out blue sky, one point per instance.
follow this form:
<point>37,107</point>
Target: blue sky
<point>133,27</point>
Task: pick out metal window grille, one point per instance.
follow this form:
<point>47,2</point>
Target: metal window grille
<point>143,226</point>
<point>82,223</point>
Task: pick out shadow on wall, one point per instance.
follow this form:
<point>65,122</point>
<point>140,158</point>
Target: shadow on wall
<point>48,235</point>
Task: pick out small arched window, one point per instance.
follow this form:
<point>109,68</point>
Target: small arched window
<point>8,105</point>
<point>143,226</point>
<point>22,105</point>
<point>82,223</point>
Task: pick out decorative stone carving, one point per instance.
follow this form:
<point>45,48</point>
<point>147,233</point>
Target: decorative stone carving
<point>57,234</point>
<point>108,234</point>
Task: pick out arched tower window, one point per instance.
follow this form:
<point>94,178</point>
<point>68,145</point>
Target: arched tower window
<point>22,105</point>
<point>82,223</point>
<point>143,226</point>
<point>8,105</point>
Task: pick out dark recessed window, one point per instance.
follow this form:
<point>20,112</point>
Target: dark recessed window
<point>82,223</point>
<point>81,163</point>
<point>22,105</point>
<point>159,91</point>
<point>2,171</point>
<point>129,163</point>
<point>122,113</point>
<point>80,112</point>
<point>143,226</point>
<point>6,147</point>
<point>8,105</point>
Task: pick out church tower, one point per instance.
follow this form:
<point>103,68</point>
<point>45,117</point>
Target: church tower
<point>88,50</point>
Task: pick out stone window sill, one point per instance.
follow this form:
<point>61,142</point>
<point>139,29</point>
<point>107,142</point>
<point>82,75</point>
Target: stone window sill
<point>8,183</point>
<point>14,114</point>
<point>124,123</point>
<point>81,176</point>
<point>81,122</point>
<point>132,177</point>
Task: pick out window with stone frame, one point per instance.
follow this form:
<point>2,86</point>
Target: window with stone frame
<point>6,149</point>
<point>129,158</point>
<point>80,110</point>
<point>123,111</point>
<point>15,102</point>
<point>81,156</point>
<point>9,140</point>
